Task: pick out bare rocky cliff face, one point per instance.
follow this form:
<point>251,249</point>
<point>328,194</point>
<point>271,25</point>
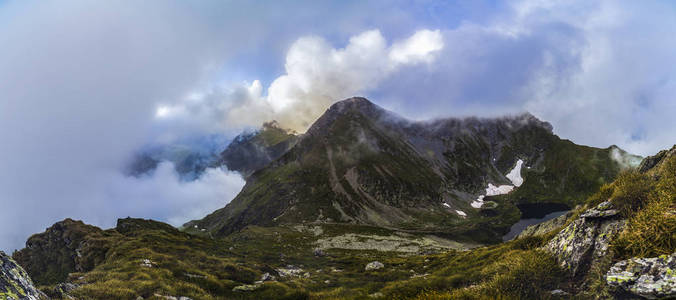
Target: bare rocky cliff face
<point>15,283</point>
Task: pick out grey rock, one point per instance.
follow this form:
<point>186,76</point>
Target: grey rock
<point>172,297</point>
<point>545,227</point>
<point>146,263</point>
<point>651,162</point>
<point>603,210</point>
<point>559,293</point>
<point>15,282</point>
<point>267,277</point>
<point>62,290</point>
<point>245,288</point>
<point>290,271</point>
<point>583,242</point>
<point>319,252</point>
<point>374,265</point>
<point>198,276</point>
<point>650,278</point>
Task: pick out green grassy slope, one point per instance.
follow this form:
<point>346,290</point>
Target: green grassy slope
<point>201,267</point>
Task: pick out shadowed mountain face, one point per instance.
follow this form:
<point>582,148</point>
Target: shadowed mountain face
<point>250,152</point>
<point>361,164</point>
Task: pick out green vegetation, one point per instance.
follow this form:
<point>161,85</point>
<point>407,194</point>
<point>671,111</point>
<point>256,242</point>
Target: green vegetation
<point>651,230</point>
<point>152,260</point>
<point>648,200</point>
<point>569,174</point>
<point>71,246</point>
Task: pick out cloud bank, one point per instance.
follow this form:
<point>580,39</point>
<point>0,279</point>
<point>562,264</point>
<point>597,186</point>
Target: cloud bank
<point>81,84</point>
<point>600,72</point>
<point>77,101</point>
<point>317,75</point>
<point>163,195</point>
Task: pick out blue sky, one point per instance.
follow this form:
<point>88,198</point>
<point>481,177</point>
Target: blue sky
<point>83,85</point>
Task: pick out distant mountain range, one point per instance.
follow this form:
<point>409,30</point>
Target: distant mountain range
<point>361,164</point>
<point>367,204</point>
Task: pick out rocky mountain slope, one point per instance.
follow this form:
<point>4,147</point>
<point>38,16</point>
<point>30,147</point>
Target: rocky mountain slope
<point>15,283</point>
<point>360,164</point>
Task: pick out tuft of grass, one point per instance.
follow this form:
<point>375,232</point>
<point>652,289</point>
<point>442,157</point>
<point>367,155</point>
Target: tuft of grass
<point>651,231</point>
<point>631,191</point>
<point>604,194</point>
<point>524,275</point>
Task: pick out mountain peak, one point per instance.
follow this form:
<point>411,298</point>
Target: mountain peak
<point>349,106</point>
<point>355,104</point>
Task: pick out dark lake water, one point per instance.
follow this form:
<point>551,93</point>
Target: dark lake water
<point>532,214</point>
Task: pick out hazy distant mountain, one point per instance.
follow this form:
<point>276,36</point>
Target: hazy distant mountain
<point>190,156</point>
<point>251,151</point>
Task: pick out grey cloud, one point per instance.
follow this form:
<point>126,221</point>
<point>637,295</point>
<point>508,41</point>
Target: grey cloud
<point>600,72</point>
<point>81,82</point>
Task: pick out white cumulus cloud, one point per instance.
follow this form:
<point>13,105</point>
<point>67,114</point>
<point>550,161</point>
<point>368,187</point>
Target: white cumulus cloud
<point>317,75</point>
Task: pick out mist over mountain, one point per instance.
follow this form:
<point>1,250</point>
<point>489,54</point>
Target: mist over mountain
<point>361,164</point>
<point>425,149</point>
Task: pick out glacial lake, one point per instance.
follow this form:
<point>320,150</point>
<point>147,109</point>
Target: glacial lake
<point>532,214</point>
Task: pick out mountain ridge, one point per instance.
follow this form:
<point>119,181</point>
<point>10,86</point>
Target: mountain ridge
<point>361,164</point>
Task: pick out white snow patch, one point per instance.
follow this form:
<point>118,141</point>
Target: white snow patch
<point>515,174</point>
<point>446,204</point>
<point>492,190</point>
<point>461,213</point>
<point>478,202</point>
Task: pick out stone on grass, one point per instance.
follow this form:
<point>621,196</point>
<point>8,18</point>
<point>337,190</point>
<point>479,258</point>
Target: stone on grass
<point>374,265</point>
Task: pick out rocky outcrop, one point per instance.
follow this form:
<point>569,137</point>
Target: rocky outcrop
<point>544,227</point>
<point>651,162</point>
<point>68,246</point>
<point>15,282</point>
<point>582,243</point>
<point>650,278</point>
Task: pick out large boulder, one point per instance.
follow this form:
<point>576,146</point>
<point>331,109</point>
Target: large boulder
<point>15,282</point>
<point>374,265</point>
<point>650,278</point>
<point>584,241</point>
